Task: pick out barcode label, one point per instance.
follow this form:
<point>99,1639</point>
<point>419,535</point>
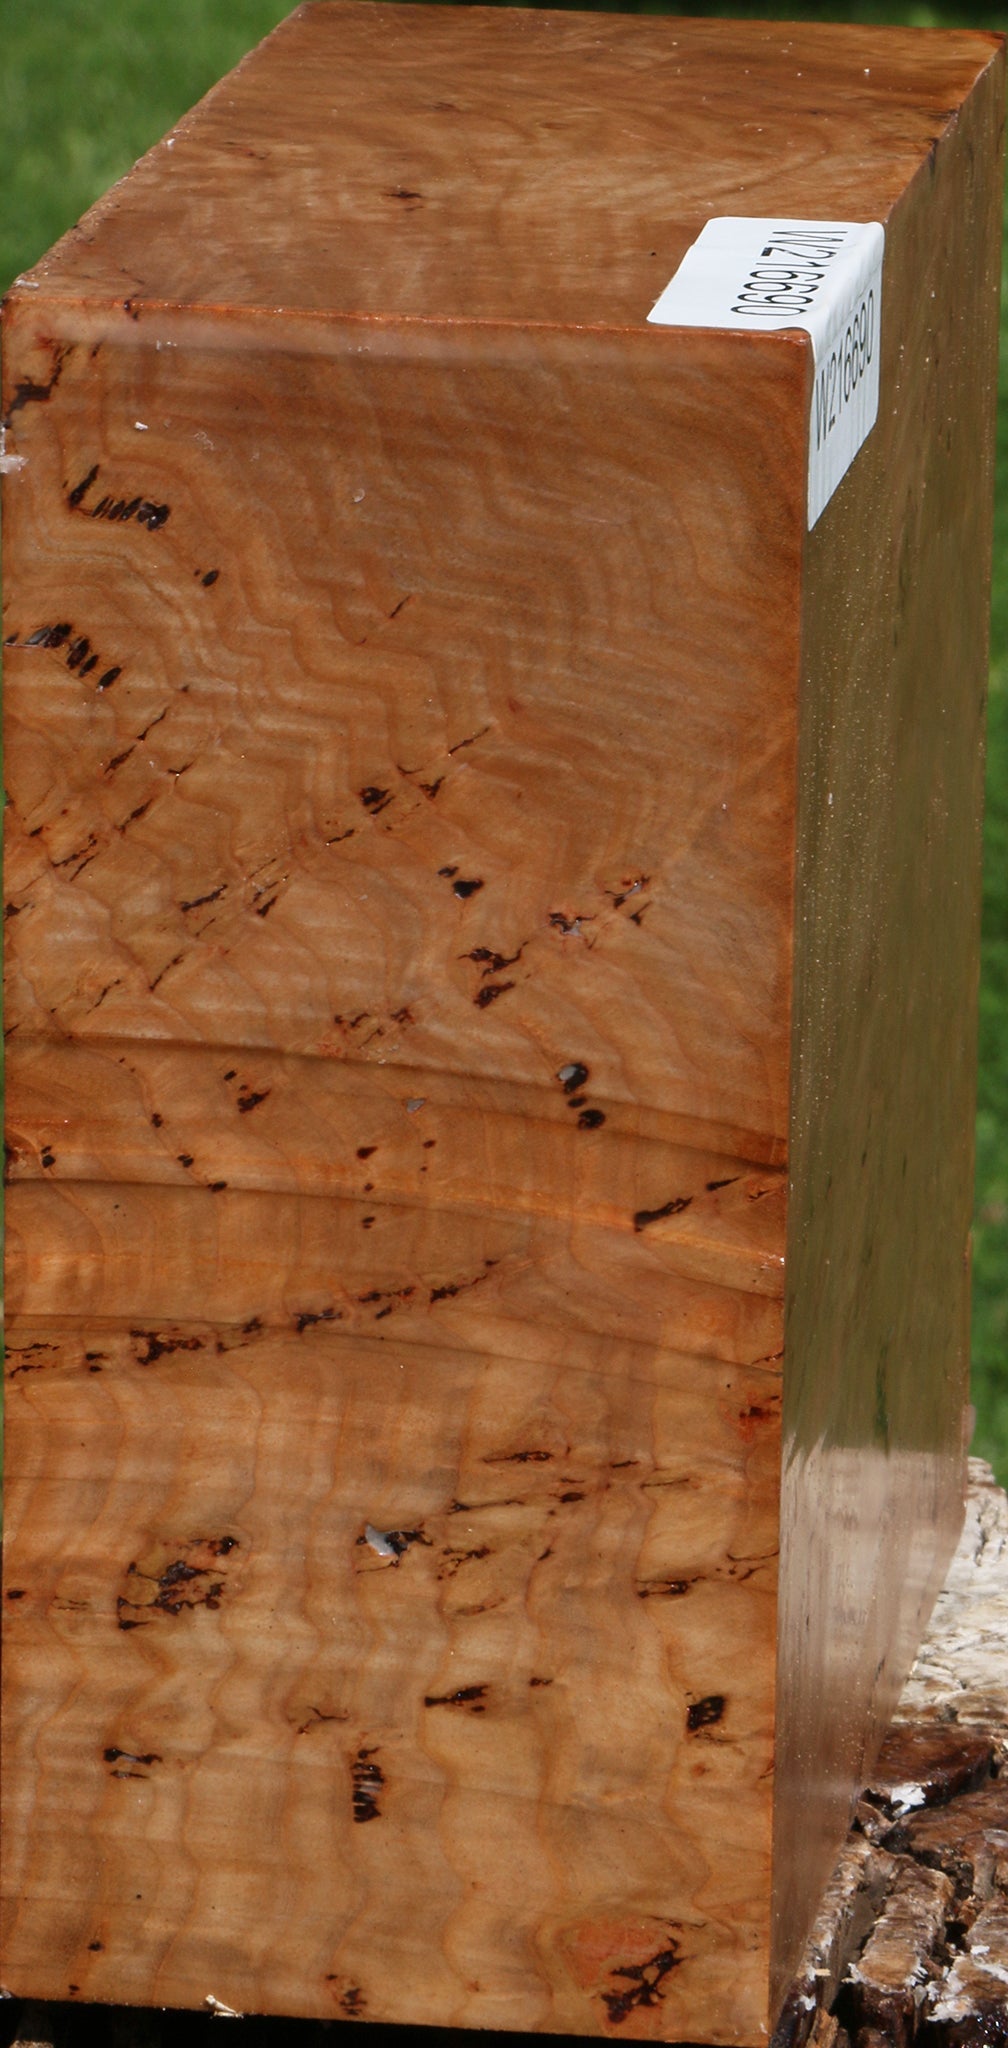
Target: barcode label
<point>823,276</point>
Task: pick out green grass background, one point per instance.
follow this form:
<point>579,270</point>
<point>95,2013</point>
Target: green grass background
<point>87,85</point>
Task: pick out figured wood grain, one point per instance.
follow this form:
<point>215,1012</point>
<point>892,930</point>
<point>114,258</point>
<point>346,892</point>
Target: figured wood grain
<point>537,1184</point>
<point>411,663</point>
<point>554,175</point>
<point>371,1127</point>
<point>473,1689</point>
<point>350,885</point>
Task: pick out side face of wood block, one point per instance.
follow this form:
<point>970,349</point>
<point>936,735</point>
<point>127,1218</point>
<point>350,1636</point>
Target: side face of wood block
<point>886,966</point>
<point>415,731</point>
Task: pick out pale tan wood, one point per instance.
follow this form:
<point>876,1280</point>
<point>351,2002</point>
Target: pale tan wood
<point>410,659</point>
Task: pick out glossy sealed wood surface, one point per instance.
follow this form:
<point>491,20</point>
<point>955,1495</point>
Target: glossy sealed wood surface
<point>509,164</point>
<point>886,970</point>
<point>438,1013</point>
<point>409,810</point>
<point>396,1169</point>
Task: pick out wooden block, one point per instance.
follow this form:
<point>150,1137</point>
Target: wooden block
<point>492,905</point>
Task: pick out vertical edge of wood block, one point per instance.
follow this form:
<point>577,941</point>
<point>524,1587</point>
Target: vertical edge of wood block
<point>884,1021</point>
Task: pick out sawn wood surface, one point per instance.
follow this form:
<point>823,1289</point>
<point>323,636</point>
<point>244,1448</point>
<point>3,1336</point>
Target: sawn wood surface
<point>429,963</point>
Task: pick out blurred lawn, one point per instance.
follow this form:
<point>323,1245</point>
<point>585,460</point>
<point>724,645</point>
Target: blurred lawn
<point>84,89</point>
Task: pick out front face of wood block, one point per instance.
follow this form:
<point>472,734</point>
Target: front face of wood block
<point>416,716</point>
<point>459,772</point>
<point>398,996</point>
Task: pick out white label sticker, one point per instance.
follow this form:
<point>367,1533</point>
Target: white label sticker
<point>822,275</point>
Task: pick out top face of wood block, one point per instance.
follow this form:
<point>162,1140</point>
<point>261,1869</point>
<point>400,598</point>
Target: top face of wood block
<point>480,164</point>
